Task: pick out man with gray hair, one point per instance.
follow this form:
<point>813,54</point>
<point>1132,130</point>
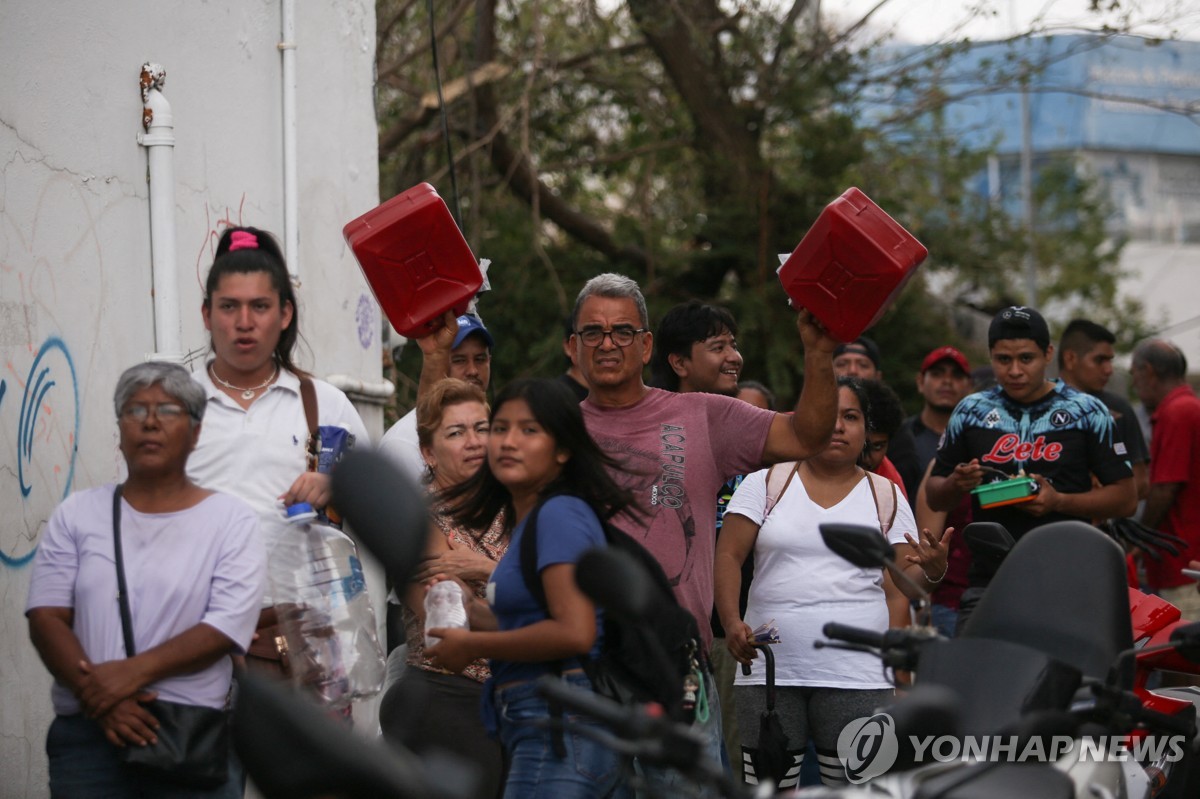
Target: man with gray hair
<point>677,450</point>
<point>1173,504</point>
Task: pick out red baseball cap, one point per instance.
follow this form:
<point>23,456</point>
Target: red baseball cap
<point>946,354</point>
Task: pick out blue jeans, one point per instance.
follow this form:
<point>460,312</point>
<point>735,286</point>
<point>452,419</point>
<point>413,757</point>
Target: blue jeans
<point>84,763</point>
<point>671,782</point>
<point>534,771</point>
<point>945,619</point>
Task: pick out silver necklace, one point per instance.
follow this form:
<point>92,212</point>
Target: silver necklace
<point>247,393</point>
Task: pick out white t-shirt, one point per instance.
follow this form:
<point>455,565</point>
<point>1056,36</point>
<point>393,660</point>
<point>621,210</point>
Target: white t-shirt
<point>802,584</point>
<point>401,446</point>
<point>204,564</point>
<point>257,453</point>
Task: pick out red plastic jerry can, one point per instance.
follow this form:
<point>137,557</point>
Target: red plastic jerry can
<point>850,265</point>
<point>415,259</point>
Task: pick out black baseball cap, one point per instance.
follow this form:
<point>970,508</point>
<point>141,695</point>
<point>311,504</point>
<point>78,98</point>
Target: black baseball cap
<point>860,346</point>
<point>1019,321</point>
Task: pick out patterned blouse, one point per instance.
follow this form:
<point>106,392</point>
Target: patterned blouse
<point>492,543</point>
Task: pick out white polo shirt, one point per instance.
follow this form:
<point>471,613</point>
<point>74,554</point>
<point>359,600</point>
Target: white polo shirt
<point>401,445</point>
<point>257,453</point>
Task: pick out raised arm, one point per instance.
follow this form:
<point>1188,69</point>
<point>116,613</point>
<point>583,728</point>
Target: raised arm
<point>435,352</point>
<point>806,431</point>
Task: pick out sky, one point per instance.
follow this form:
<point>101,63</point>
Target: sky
<point>922,21</point>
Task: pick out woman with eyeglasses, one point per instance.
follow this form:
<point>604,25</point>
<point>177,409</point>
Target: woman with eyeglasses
<point>195,570</point>
<point>256,432</point>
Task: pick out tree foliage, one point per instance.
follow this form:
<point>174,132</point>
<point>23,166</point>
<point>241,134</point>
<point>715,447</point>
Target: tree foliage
<point>687,143</point>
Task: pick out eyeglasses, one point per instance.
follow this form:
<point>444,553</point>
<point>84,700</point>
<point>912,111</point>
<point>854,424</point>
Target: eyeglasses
<point>621,335</point>
<point>163,411</point>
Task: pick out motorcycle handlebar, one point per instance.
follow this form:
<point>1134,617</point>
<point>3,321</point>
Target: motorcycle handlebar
<point>648,733</point>
<point>631,722</point>
<point>1124,707</point>
<point>854,635</point>
<point>1171,725</point>
<point>627,722</point>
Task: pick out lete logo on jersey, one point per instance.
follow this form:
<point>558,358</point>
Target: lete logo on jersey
<point>1010,447</point>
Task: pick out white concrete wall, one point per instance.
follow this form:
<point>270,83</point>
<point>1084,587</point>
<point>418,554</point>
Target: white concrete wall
<point>1166,279</point>
<point>76,301</point>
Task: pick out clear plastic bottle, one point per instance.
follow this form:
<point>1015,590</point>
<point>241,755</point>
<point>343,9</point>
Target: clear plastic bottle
<point>444,607</point>
<point>324,610</point>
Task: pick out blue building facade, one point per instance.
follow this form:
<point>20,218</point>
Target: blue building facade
<point>1126,109</point>
<point>1123,110</point>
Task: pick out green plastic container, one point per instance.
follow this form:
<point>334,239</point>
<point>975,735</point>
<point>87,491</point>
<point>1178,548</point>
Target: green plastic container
<point>1006,492</point>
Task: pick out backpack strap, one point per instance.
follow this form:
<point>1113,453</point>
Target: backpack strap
<point>883,491</point>
<point>779,477</point>
<point>533,582</point>
<point>308,395</point>
<point>529,558</point>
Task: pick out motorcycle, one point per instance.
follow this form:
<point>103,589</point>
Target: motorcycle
<point>1048,661</point>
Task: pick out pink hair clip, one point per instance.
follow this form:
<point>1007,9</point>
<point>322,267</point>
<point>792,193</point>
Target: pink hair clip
<point>243,240</point>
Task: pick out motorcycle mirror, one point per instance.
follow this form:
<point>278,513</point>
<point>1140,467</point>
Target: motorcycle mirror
<point>385,509</point>
<point>1187,641</point>
<point>860,545</point>
<point>615,581</point>
<point>988,540</point>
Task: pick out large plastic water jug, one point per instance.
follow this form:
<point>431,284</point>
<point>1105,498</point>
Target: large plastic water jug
<point>415,259</point>
<point>850,265</point>
<point>324,610</point>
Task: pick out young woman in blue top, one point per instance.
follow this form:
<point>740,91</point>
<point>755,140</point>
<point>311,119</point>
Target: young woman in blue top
<point>541,457</point>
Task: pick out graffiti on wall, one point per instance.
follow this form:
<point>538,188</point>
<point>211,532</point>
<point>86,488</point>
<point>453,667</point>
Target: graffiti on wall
<point>212,235</point>
<point>365,317</point>
<point>47,421</point>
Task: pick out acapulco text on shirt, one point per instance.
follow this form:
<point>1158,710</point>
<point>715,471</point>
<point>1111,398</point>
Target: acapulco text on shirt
<point>1010,447</point>
<point>669,491</point>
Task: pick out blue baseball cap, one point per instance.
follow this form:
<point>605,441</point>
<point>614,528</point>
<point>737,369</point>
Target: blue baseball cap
<point>469,325</point>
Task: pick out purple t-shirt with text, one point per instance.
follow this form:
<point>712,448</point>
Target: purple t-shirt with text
<point>676,451</point>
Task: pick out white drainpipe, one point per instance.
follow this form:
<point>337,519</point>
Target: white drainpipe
<point>377,393</point>
<point>159,141</point>
<point>291,229</point>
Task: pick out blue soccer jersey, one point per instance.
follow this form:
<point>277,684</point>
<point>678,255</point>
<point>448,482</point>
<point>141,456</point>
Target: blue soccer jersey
<point>1066,436</point>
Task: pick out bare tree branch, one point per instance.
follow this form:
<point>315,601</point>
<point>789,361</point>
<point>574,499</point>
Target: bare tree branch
<point>520,173</point>
<point>442,31</point>
<point>384,32</point>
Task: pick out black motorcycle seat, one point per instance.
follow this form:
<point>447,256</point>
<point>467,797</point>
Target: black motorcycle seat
<point>998,682</point>
<point>1062,591</point>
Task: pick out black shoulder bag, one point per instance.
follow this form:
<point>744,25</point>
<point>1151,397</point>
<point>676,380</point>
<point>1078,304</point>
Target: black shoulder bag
<point>193,741</point>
